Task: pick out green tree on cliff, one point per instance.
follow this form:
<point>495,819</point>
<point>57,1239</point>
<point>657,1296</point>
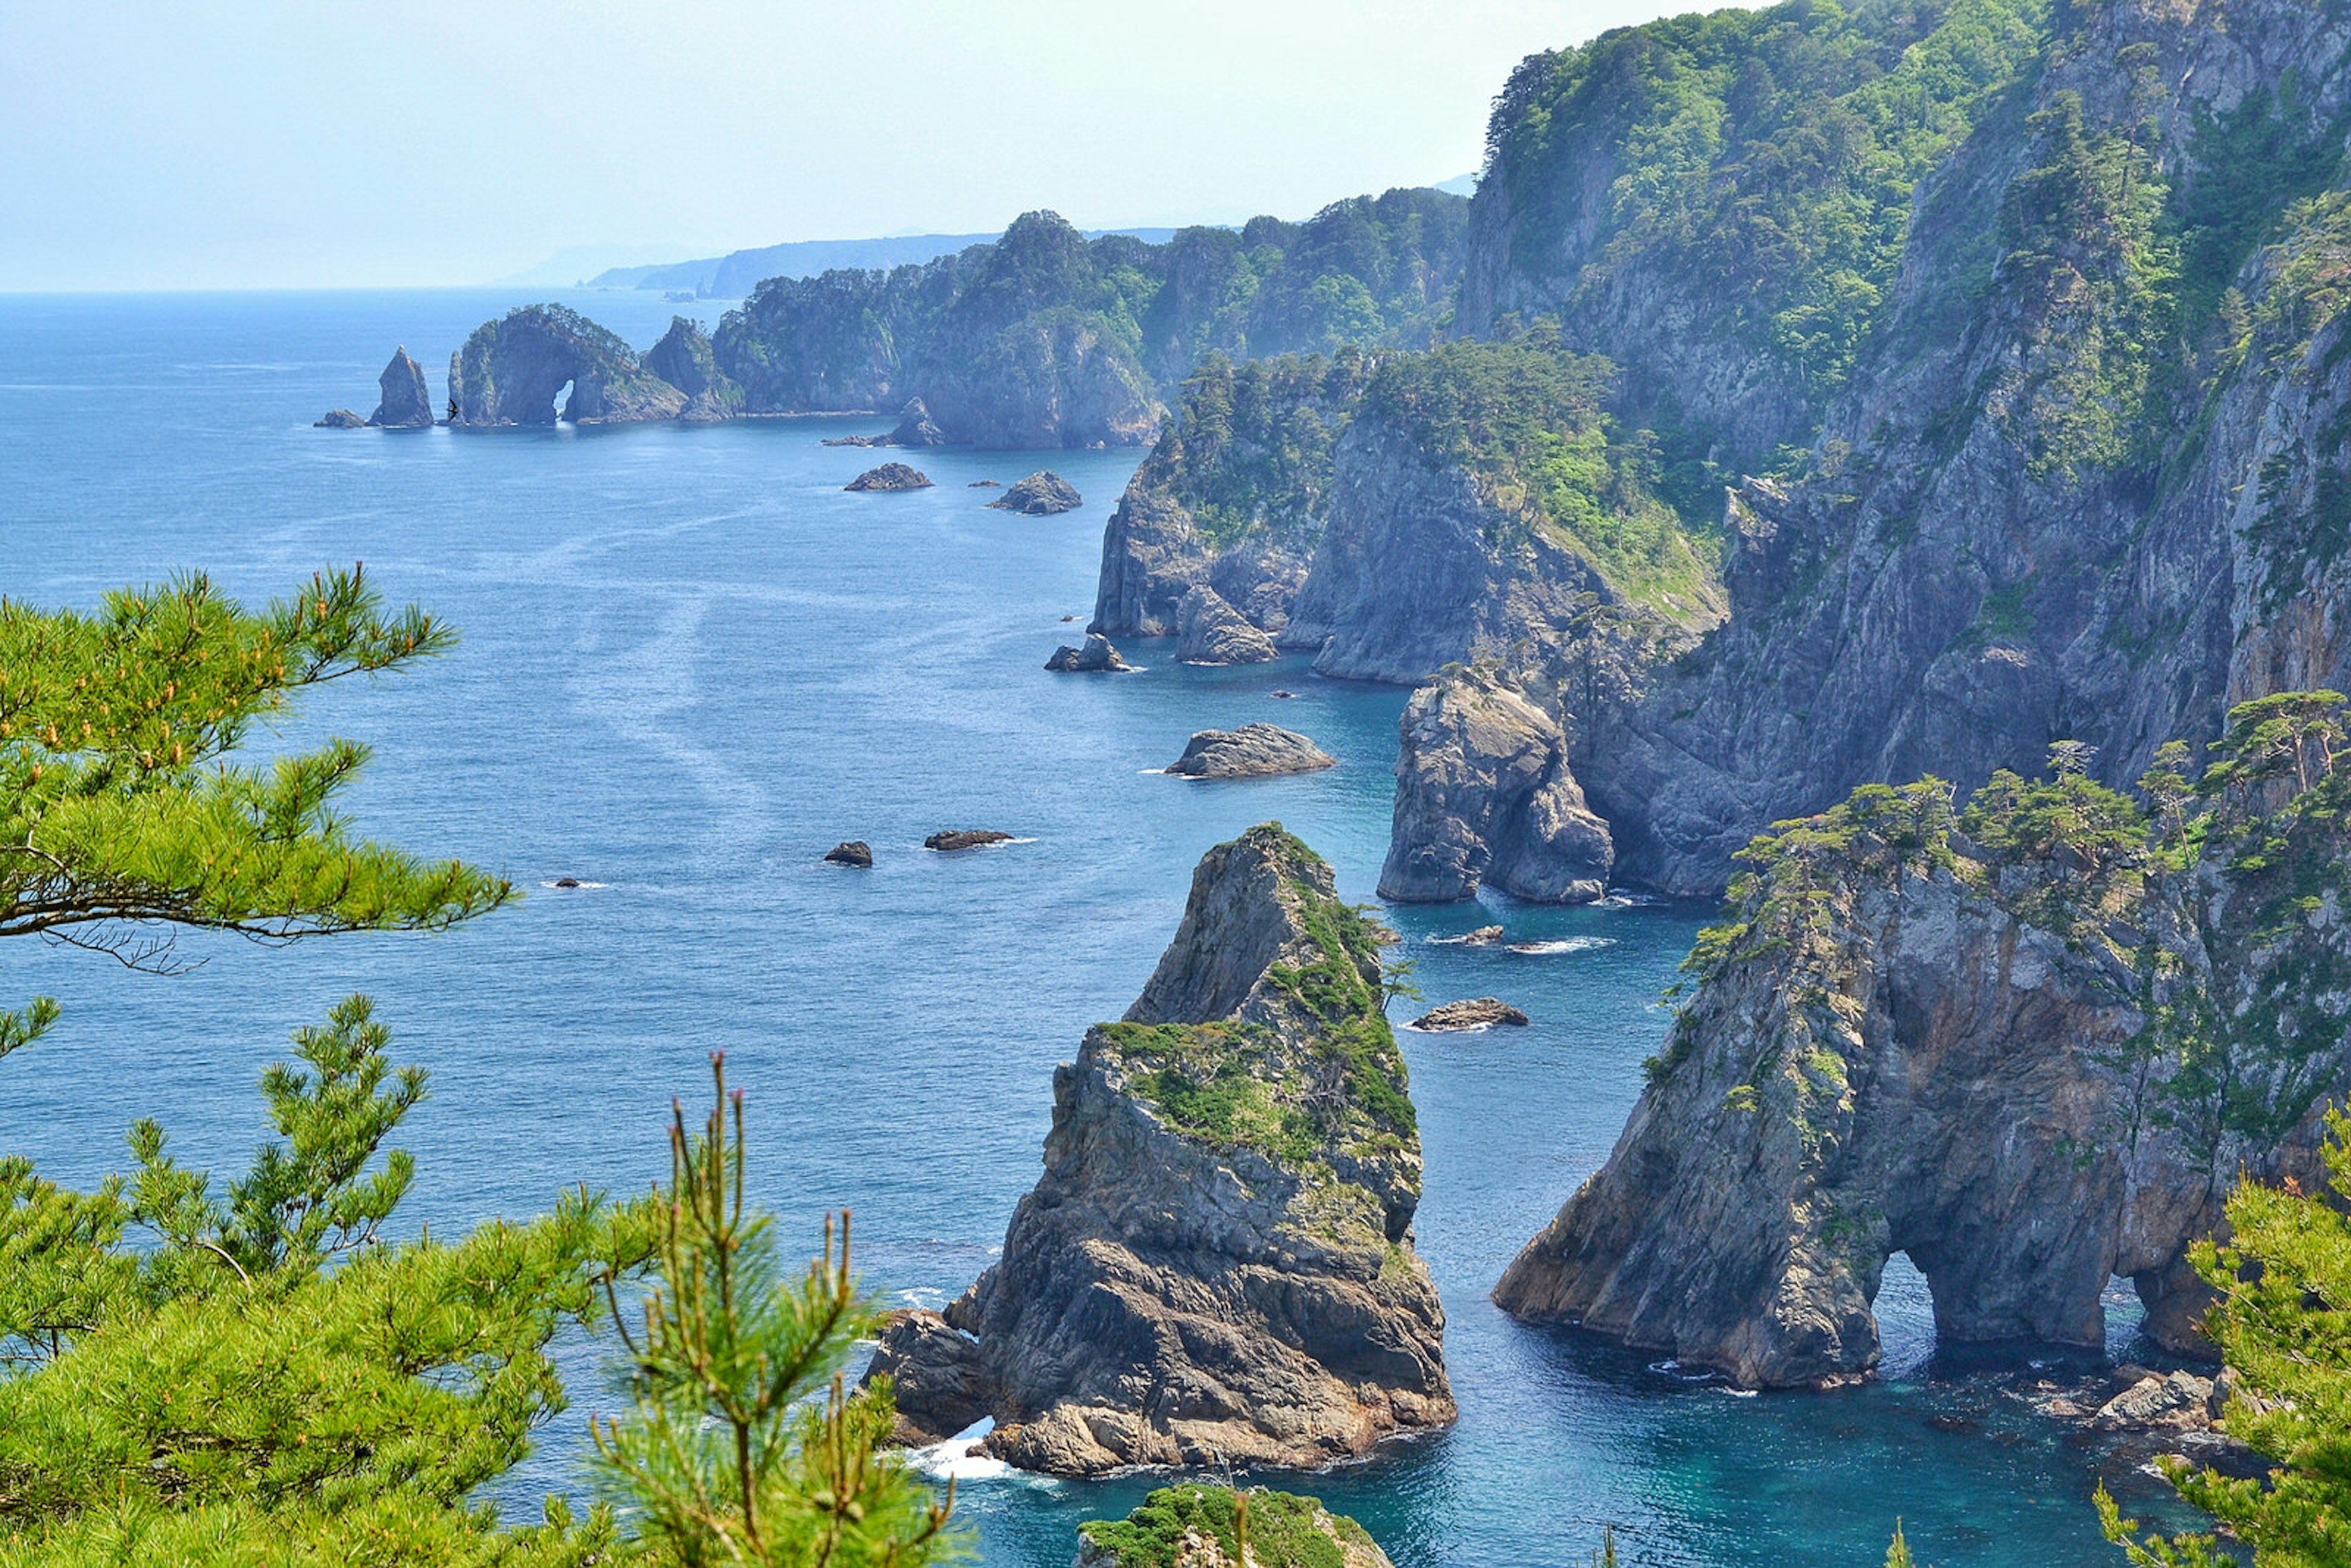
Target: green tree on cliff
<point>2283,1323</point>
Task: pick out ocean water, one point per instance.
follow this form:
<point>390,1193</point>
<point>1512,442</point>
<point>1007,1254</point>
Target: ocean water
<point>690,664</point>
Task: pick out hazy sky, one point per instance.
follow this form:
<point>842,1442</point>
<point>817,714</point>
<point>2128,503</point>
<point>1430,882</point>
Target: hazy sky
<point>318,143</point>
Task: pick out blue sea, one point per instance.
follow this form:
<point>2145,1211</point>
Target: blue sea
<point>690,664</point>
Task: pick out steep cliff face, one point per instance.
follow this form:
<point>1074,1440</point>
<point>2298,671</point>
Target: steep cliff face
<point>1485,796</point>
<point>2081,475</point>
<point>510,371</point>
<point>1036,351</point>
<point>1235,495</point>
<point>685,360</point>
<point>2033,1047</point>
<point>1468,502</point>
<point>1216,1266</point>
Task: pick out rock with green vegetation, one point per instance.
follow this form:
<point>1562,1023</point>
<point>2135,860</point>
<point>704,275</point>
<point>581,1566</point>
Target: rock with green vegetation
<point>2031,1044</point>
<point>1043,494</point>
<point>1485,798</point>
<point>1046,339</point>
<point>1194,1526</point>
<point>510,371</point>
<point>1461,503</point>
<point>1217,1266</point>
<point>684,359</point>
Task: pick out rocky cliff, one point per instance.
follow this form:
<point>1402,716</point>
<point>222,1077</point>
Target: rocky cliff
<point>1468,502</point>
<point>1984,353</point>
<point>1216,1266</point>
<point>1485,796</point>
<point>510,371</point>
<point>2031,1045</point>
<point>685,360</point>
<point>1046,339</point>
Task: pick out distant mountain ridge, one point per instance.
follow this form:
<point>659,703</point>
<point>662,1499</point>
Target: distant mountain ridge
<point>735,275</point>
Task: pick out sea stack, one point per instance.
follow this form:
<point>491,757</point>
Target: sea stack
<point>406,405</point>
<point>1217,1266</point>
<point>1097,657</point>
<point>1484,796</point>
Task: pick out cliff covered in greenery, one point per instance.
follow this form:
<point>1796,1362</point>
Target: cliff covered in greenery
<point>2032,1042</point>
<point>1045,338</point>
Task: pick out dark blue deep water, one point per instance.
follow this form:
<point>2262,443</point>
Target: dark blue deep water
<point>690,664</point>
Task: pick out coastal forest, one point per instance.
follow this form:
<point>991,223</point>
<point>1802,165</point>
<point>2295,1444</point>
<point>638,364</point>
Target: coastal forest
<point>1881,470</point>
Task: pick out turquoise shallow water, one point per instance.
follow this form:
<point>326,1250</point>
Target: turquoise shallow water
<point>691,664</point>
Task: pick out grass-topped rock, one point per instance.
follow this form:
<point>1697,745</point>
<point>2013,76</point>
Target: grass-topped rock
<point>2032,1043</point>
<point>1216,1266</point>
<point>1194,1526</point>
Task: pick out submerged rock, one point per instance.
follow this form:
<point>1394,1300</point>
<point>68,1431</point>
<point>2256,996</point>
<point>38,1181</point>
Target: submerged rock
<point>1484,797</point>
<point>1213,633</point>
<point>1482,1012</point>
<point>510,371</point>
<point>1253,751</point>
<point>1195,1526</point>
<point>340,419</point>
<point>890,476</point>
<point>966,838</point>
<point>1216,1266</point>
<point>1095,657</point>
<point>992,484</point>
<point>404,403</point>
<point>850,851</point>
<point>1042,494</point>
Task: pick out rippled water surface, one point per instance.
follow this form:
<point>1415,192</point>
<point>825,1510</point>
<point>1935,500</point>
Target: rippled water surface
<point>691,664</point>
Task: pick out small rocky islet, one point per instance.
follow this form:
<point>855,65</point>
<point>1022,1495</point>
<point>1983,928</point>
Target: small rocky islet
<point>1097,657</point>
<point>1216,1266</point>
<point>1253,751</point>
<point>890,477</point>
<point>1043,494</point>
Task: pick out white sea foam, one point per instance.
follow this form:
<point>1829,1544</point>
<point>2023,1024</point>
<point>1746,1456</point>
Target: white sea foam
<point>956,1461</point>
<point>576,885</point>
<point>1564,945</point>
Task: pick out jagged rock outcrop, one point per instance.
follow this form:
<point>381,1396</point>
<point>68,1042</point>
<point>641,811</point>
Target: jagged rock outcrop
<point>1216,1266</point>
<point>916,427</point>
<point>684,359</point>
<point>890,476</point>
<point>510,371</point>
<point>851,852</point>
<point>1213,633</point>
<point>1253,751</point>
<point>405,403</point>
<point>1097,657</point>
<point>1485,797</point>
<point>338,418</point>
<point>1043,494</point>
<point>1195,1526</point>
<point>2028,1051</point>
